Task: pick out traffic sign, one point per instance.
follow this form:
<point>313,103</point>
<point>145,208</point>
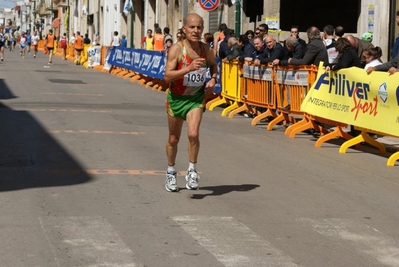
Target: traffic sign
<point>209,5</point>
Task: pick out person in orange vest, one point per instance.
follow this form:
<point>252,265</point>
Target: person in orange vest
<point>78,47</point>
<point>158,40</point>
<point>49,45</point>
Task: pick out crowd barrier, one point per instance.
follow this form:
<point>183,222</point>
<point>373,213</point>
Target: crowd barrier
<point>317,100</point>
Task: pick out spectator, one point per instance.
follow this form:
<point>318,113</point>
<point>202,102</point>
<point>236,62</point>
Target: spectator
<point>372,57</point>
<point>367,36</point>
<point>208,39</point>
<point>166,32</point>
<point>250,34</point>
<point>86,40</point>
<point>98,39</point>
<point>329,41</point>
<point>395,48</point>
<point>168,44</point>
<point>224,50</point>
<point>359,46</point>
<point>235,49</point>
<point>247,48</point>
<point>263,30</point>
<point>315,51</point>
<point>115,41</point>
<point>158,40</point>
<point>390,66</point>
<point>348,56</point>
<point>294,50</point>
<point>218,37</point>
<point>148,41</point>
<point>339,32</point>
<point>73,38</point>
<point>179,35</point>
<point>123,41</point>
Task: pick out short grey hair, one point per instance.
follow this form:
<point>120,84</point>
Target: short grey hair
<point>313,33</point>
<point>292,41</point>
<point>232,41</point>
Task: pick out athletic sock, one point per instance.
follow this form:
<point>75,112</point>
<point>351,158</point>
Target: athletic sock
<point>171,169</point>
<point>192,165</point>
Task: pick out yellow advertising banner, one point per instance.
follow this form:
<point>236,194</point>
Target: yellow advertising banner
<point>353,97</point>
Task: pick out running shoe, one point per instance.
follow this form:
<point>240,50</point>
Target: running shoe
<point>170,183</point>
<point>2,59</point>
<point>192,178</point>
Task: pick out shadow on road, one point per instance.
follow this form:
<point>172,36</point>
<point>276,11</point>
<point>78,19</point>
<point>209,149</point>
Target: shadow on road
<point>29,155</point>
<point>224,189</point>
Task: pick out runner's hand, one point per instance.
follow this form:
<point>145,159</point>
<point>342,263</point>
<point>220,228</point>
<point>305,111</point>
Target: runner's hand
<point>196,64</point>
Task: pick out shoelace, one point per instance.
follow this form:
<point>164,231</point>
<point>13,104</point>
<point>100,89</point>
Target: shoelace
<point>171,178</point>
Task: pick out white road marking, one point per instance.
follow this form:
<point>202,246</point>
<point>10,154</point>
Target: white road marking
<point>232,243</point>
<point>365,239</point>
<point>86,241</point>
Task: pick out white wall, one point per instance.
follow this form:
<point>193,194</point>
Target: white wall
<point>381,24</point>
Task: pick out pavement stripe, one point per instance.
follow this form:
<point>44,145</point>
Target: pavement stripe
<point>93,132</point>
<point>119,172</point>
<point>86,241</point>
<point>365,239</point>
<point>67,110</point>
<point>77,94</point>
<point>232,243</point>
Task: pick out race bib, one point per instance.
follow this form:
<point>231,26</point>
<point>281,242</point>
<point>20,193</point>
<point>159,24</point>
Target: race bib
<point>195,78</point>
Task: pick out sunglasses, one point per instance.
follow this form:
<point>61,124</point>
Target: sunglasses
<point>261,30</point>
<point>257,32</point>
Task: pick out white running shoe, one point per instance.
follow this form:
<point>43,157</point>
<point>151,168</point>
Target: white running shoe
<point>170,182</point>
<point>192,178</point>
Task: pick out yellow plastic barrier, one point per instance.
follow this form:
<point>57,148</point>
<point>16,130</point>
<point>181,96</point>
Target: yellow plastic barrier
<point>231,88</point>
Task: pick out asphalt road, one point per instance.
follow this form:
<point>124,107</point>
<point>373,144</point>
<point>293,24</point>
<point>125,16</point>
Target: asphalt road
<point>82,167</point>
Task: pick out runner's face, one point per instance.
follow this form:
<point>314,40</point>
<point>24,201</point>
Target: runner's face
<point>193,28</point>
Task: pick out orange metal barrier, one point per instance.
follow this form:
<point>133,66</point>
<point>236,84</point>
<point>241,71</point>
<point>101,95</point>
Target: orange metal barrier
<point>231,88</point>
<point>294,81</point>
<point>258,91</point>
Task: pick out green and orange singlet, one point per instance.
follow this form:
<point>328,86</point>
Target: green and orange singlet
<point>194,81</point>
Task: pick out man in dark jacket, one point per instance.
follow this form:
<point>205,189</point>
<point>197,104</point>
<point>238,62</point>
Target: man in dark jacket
<point>224,49</point>
<point>360,46</point>
<point>391,66</point>
<point>315,50</point>
<point>267,53</point>
<point>235,49</point>
<point>294,50</point>
<point>247,47</point>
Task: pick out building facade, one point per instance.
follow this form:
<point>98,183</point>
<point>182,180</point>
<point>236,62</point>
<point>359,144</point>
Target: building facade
<point>106,16</point>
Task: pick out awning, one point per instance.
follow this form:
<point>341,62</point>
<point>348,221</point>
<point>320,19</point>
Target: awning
<point>55,23</point>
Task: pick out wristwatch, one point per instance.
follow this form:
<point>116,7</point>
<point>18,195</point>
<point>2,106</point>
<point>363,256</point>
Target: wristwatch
<point>216,79</point>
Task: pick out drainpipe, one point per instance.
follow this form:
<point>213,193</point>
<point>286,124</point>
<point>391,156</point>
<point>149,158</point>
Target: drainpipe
<point>87,15</point>
<point>392,17</point>
<point>146,15</point>
<point>132,26</point>
<point>238,17</point>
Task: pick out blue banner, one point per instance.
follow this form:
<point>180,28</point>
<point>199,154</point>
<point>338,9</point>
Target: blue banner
<point>149,63</point>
